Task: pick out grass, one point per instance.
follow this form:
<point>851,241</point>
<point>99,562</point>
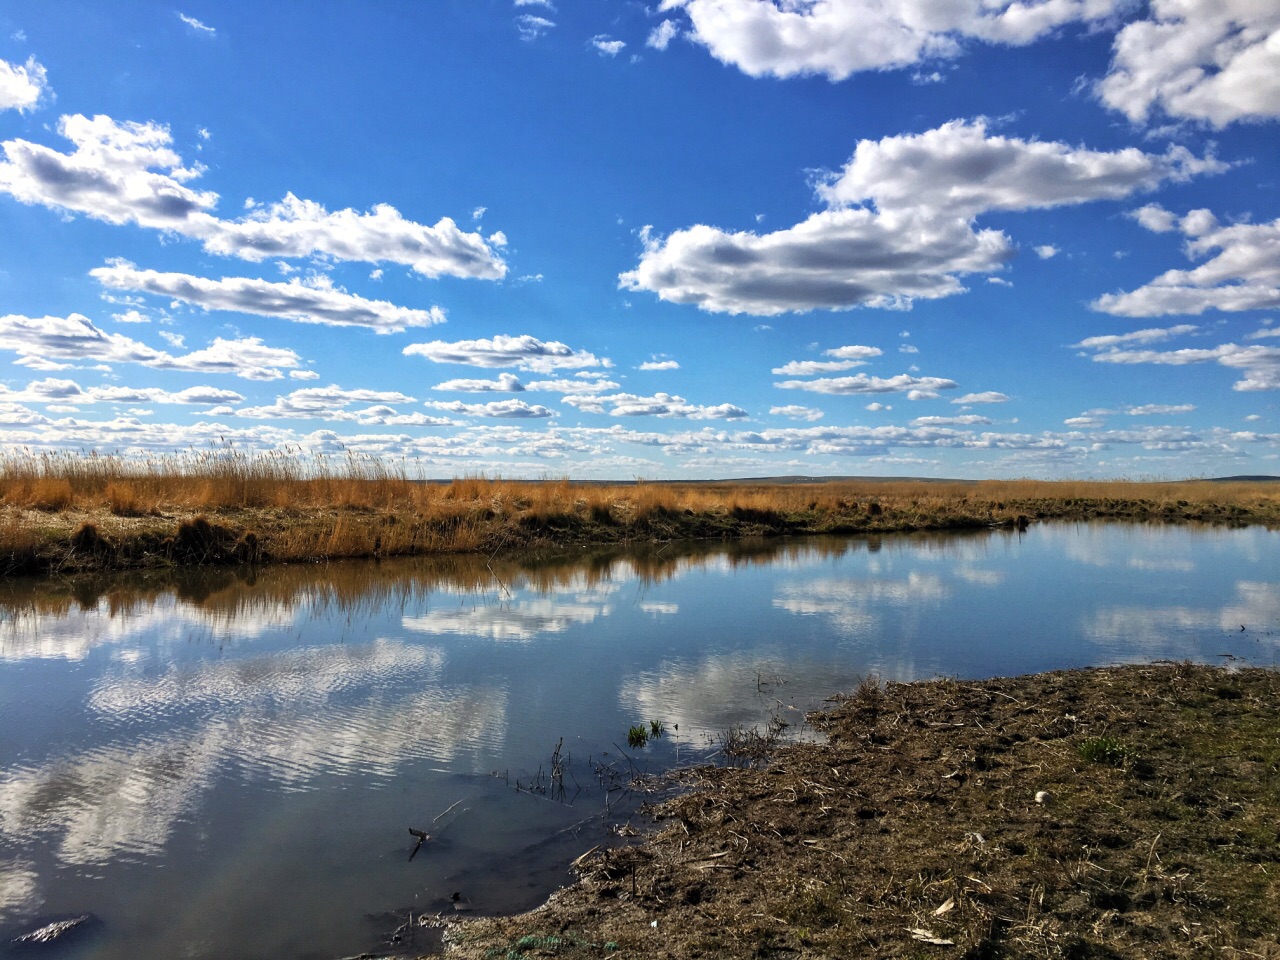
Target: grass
<point>293,508</point>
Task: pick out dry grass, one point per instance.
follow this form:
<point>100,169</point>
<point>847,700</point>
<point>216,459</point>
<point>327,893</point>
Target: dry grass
<point>353,506</point>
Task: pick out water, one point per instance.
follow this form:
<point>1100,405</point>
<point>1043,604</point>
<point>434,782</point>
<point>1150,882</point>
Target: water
<point>224,764</point>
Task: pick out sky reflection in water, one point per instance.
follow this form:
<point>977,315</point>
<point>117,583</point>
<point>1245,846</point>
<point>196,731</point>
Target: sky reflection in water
<point>178,750</point>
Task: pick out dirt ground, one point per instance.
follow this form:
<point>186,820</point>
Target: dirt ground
<point>1119,812</point>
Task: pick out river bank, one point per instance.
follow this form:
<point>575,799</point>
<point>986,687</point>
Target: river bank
<point>1126,811</point>
<point>48,527</point>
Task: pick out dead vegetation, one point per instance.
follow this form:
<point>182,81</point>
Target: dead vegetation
<point>281,507</point>
<point>959,819</point>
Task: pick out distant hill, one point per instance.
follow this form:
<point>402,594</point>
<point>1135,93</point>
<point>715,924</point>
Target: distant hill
<point>1245,478</point>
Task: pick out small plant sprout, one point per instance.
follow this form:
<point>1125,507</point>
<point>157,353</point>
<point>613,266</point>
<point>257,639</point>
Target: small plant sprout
<point>641,733</point>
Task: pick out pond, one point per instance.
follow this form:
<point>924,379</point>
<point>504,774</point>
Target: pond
<point>227,763</point>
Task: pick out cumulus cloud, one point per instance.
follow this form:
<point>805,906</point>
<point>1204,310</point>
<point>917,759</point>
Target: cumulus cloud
<point>1216,61</point>
<point>797,412</point>
<point>959,168</point>
<point>659,365</point>
<point>606,46</point>
<point>1242,272</point>
<point>837,38</point>
<point>506,383</point>
<point>898,224</point>
<point>1159,409</point>
<point>967,420</point>
<point>663,405</point>
<point>1151,335</point>
<point>508,409</point>
<point>76,338</point>
<point>855,352</point>
<point>55,391</point>
<point>522,353</point>
<point>573,386</point>
<point>915,387</point>
<point>1259,366</point>
<point>1046,252</point>
<point>22,87</point>
<point>310,300</point>
<point>323,403</point>
<point>989,396</point>
<point>847,357</point>
<point>129,173</point>
<point>809,368</point>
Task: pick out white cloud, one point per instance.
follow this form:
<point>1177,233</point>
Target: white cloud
<point>899,223</point>
<point>532,27</point>
<point>997,281</point>
<point>1216,61</point>
<point>198,28</point>
<point>914,387</point>
<point>876,407</point>
<point>1155,218</point>
<point>76,338</point>
<point>663,405</point>
<point>311,300</point>
<point>796,412</point>
<point>573,386</point>
<point>1159,409</point>
<point>1243,275</point>
<point>522,352</point>
<point>808,368</point>
<point>606,46</point>
<point>839,37</point>
<point>22,87</point>
<point>46,391</point>
<point>1046,252</point>
<point>129,173</point>
<point>303,375</point>
<point>325,403</point>
<point>247,357</point>
<point>1260,366</point>
<point>968,420</point>
<point>506,383</point>
<point>959,168</point>
<point>853,352</point>
<point>659,365</point>
<point>660,37</point>
<point>512,409</point>
<point>990,396</point>
<point>1152,335</point>
<point>908,348</point>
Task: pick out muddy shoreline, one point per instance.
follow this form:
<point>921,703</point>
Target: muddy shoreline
<point>1111,812</point>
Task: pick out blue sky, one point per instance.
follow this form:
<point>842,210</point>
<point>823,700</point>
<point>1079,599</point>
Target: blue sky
<point>664,239</point>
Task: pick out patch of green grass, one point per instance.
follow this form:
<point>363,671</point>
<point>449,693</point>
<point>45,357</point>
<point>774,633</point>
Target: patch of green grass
<point>1105,750</point>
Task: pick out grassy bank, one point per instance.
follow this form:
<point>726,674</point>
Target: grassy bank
<point>1122,812</point>
<point>67,513</point>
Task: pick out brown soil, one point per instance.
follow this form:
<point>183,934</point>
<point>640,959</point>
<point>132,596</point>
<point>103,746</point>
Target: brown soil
<point>915,831</point>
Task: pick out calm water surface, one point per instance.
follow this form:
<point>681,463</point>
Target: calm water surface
<point>226,764</point>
